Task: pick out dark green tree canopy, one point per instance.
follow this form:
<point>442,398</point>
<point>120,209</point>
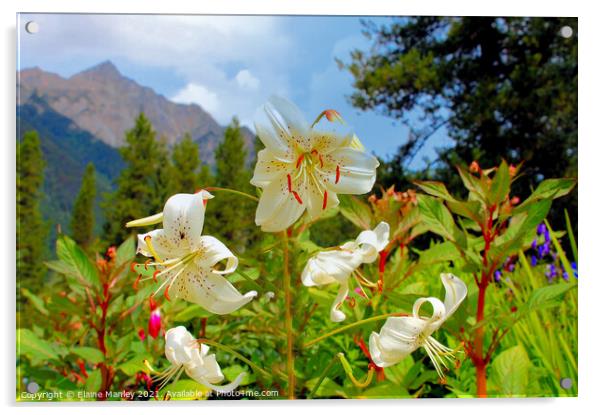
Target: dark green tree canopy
<point>186,162</point>
<point>144,184</point>
<point>31,229</point>
<point>82,219</point>
<point>502,87</point>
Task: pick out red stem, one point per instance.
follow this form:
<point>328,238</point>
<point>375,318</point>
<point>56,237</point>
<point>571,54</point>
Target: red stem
<point>479,360</point>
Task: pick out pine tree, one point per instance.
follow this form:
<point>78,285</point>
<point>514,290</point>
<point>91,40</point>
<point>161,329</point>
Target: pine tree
<point>82,219</point>
<point>143,186</point>
<point>206,178</point>
<point>186,162</point>
<point>231,217</point>
<point>31,229</point>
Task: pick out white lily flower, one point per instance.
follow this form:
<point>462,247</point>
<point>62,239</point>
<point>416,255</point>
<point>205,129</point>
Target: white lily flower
<point>304,169</point>
<point>188,262</point>
<point>328,267</point>
<point>400,336</point>
<point>185,354</point>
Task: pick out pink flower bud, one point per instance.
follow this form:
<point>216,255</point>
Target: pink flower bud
<point>141,334</point>
<point>154,323</point>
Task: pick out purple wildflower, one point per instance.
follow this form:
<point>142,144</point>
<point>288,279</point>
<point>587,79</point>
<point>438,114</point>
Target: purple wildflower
<point>541,228</point>
<point>533,260</point>
<point>497,276</point>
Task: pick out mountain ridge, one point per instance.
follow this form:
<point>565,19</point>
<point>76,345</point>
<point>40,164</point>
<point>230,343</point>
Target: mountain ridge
<point>105,103</point>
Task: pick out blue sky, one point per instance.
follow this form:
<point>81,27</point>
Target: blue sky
<point>227,64</point>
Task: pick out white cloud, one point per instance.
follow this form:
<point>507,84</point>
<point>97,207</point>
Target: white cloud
<point>198,94</point>
<point>246,80</point>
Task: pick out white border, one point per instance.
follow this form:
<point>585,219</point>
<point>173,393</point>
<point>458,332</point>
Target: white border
<point>589,188</point>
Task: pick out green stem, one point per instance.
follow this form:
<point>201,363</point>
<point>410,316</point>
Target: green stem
<point>290,356</point>
<point>350,326</point>
<point>349,372</point>
<point>249,279</point>
<point>322,377</point>
<point>236,192</point>
<point>238,356</point>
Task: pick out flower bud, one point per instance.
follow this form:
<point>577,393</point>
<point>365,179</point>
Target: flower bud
<point>154,323</point>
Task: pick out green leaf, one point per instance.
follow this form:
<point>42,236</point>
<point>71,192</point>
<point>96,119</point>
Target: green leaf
<point>191,312</point>
<point>33,347</point>
<point>35,301</point>
<point>126,252</point>
<point>470,209</point>
<point>547,296</point>
<point>438,218</point>
<point>356,211</point>
<point>473,184</point>
<point>135,364</point>
<point>94,381</point>
<point>548,189</point>
<point>510,372</point>
<point>442,252</point>
<point>520,231</point>
<point>231,372</point>
<point>500,185</point>
<point>89,354</point>
<point>433,188</point>
<point>79,264</point>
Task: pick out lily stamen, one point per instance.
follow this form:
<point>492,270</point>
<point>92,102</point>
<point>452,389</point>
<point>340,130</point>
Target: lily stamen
<point>147,239</point>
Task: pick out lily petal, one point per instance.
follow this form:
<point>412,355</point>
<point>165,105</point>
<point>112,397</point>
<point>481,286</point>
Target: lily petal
<point>337,315</point>
<point>292,116</point>
<point>330,266</point>
<point>179,346</point>
<point>438,316</point>
<point>204,366</point>
<point>211,252</point>
<point>278,208</point>
<point>210,290</point>
<point>183,218</point>
<point>269,168</point>
<point>357,171</point>
<point>274,140</point>
<point>161,244</point>
<point>455,293</point>
<point>223,388</point>
<point>398,337</point>
<point>371,242</point>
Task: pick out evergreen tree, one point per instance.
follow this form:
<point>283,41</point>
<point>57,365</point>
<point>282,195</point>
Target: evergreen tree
<point>231,216</point>
<point>144,184</point>
<point>31,229</point>
<point>82,218</point>
<point>206,178</point>
<point>186,162</point>
<point>502,87</point>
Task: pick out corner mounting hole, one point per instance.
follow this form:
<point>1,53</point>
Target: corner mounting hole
<point>32,27</point>
<point>566,32</point>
